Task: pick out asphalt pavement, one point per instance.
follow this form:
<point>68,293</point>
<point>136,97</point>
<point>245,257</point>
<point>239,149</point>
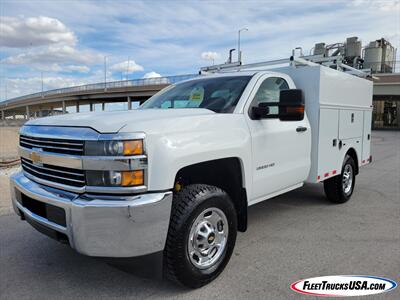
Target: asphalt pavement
<point>294,236</point>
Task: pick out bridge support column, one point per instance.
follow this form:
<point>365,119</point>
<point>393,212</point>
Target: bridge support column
<point>28,113</point>
<point>129,103</point>
<point>91,106</point>
<point>103,106</point>
<point>3,117</point>
<point>64,107</point>
<point>77,107</point>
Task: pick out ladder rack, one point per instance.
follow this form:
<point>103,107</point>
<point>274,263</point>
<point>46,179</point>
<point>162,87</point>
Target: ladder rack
<point>335,62</point>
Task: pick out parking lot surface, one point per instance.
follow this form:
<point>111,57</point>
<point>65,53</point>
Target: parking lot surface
<point>293,236</point>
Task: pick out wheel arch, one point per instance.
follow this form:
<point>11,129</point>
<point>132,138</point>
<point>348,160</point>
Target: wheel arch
<point>225,173</point>
<point>353,154</point>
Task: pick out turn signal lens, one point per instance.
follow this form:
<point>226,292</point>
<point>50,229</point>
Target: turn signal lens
<point>295,109</point>
<point>132,178</point>
<point>133,147</point>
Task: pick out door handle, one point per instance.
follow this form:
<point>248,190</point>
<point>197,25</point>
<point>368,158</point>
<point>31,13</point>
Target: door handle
<point>301,129</point>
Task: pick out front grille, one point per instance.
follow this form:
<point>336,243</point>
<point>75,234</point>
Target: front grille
<point>74,147</point>
<point>67,176</point>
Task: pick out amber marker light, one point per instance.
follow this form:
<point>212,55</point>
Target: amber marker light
<point>133,147</point>
<point>295,109</point>
<point>132,178</point>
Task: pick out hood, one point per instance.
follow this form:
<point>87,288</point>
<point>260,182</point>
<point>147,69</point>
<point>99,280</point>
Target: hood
<point>112,122</point>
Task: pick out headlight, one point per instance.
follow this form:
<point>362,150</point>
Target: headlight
<point>115,178</point>
<point>114,148</point>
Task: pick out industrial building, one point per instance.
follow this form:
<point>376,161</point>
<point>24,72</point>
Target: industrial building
<point>378,58</point>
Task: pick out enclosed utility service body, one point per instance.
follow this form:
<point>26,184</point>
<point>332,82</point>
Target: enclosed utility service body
<point>339,108</point>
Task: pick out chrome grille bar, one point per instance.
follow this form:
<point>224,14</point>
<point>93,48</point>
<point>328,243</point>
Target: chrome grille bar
<point>54,174</point>
<point>48,175</point>
<point>50,142</point>
<point>32,145</point>
<point>53,145</point>
<point>52,169</point>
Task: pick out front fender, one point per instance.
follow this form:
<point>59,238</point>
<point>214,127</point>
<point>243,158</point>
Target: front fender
<point>222,137</point>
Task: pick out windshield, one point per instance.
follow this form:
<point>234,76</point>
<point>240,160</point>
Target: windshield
<point>219,94</point>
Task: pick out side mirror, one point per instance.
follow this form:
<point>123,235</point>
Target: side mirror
<point>291,105</point>
<point>261,111</point>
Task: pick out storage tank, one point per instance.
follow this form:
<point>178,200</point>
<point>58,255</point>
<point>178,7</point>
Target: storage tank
<point>319,49</point>
<point>379,56</point>
<point>352,48</point>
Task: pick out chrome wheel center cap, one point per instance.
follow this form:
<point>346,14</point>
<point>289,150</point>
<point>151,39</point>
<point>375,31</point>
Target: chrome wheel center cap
<point>207,238</point>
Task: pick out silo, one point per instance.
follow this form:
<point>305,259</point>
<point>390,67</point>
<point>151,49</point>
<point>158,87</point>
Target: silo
<point>352,48</point>
<point>379,56</point>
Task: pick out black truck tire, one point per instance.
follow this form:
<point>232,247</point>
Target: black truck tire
<point>339,189</point>
<point>203,221</point>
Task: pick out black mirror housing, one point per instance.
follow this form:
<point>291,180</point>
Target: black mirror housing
<point>291,105</point>
<point>260,112</point>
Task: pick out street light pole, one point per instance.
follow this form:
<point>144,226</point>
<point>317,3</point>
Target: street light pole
<point>105,72</point>
<point>240,52</point>
<point>127,70</point>
<point>41,76</point>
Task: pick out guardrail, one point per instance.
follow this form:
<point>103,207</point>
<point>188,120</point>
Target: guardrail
<point>105,85</point>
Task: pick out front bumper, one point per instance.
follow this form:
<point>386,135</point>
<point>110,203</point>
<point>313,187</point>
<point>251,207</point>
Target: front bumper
<point>130,226</point>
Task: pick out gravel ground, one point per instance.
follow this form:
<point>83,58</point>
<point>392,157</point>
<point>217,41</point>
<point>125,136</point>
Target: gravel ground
<point>293,236</point>
<point>5,201</point>
<point>8,142</point>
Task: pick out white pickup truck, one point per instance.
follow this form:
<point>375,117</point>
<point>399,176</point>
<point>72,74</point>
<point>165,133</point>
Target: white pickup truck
<point>176,175</point>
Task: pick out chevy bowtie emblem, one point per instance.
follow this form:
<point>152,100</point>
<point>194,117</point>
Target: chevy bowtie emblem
<point>35,157</point>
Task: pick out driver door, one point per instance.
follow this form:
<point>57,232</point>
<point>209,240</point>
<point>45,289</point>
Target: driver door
<point>281,153</point>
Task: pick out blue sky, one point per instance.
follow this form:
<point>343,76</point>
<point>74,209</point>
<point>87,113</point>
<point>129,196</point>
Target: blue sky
<point>66,41</point>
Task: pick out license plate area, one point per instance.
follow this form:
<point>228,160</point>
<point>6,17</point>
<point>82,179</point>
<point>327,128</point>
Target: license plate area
<point>50,212</point>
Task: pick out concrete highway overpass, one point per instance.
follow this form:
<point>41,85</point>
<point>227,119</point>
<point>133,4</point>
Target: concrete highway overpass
<point>94,96</point>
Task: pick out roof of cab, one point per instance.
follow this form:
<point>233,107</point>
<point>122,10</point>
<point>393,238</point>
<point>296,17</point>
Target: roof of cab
<point>229,74</point>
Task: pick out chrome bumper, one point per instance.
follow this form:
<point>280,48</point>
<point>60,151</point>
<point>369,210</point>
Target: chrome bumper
<point>131,226</point>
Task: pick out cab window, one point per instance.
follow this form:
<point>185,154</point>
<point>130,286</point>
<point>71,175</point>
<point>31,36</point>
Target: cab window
<point>269,92</point>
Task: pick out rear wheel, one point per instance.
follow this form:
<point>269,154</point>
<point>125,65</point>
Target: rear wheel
<point>339,189</point>
<point>201,236</point>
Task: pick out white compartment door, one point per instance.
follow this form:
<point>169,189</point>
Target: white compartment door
<point>328,151</point>
<point>350,124</point>
<point>366,146</point>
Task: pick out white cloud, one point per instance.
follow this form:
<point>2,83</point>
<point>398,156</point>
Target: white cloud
<point>75,68</point>
<point>22,86</point>
<point>384,5</point>
<point>33,32</point>
<point>210,55</point>
<point>128,66</point>
<point>170,37</point>
<point>54,54</point>
<point>151,74</point>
